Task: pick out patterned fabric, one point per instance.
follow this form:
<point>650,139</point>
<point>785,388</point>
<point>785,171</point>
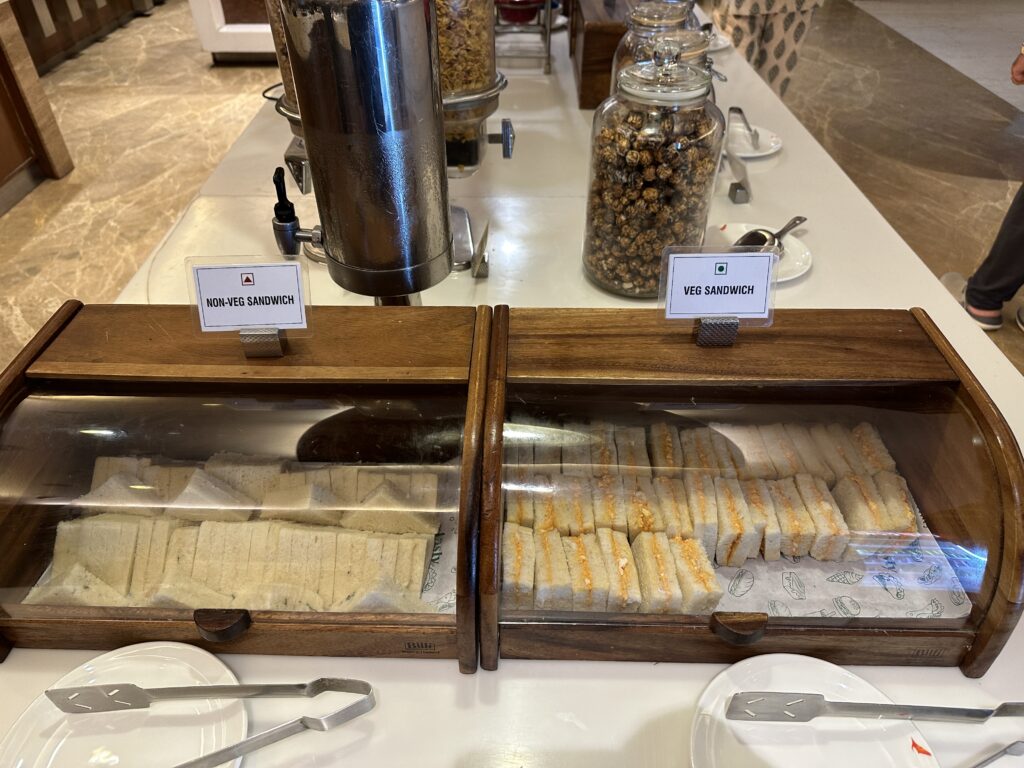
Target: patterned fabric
<point>769,41</point>
<point>765,7</point>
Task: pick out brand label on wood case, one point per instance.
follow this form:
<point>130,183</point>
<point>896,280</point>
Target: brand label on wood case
<point>234,297</point>
<point>719,284</point>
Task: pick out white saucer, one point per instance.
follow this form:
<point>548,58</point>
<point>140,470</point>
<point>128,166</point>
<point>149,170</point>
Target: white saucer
<point>795,261</point>
<point>719,42</point>
<point>168,734</point>
<point>769,142</point>
<point>836,742</point>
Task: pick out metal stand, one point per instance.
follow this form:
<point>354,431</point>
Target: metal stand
<point>717,331</point>
<point>543,27</point>
<point>262,342</point>
<point>464,254</point>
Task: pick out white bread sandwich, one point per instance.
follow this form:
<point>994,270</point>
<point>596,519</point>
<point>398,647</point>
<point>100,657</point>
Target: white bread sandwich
<point>167,480</point>
<point>517,567</point>
<point>830,453</point>
<point>872,450</point>
<point>809,453</point>
<point>190,594</point>
<point>576,439</point>
<point>181,554</point>
<point>903,511</point>
<point>388,507</point>
<point>671,494</point>
<point>604,457</point>
<point>547,448</point>
<point>738,539</point>
<point>831,534</point>
<point>863,508</point>
<point>701,499</point>
<point>313,504</point>
<point>345,484</point>
<point>548,513</point>
<point>552,586</point>
<point>796,527</point>
<point>610,503</point>
<point>519,496</point>
<point>749,454</point>
<point>842,438</point>
<point>698,450</point>
<point>151,548</point>
<point>783,453</point>
<point>762,512</point>
<point>643,513</point>
<point>664,449</point>
<point>79,586</point>
<point>631,450</point>
<point>724,455</point>
<point>656,567</point>
<point>698,584</point>
<point>252,476</point>
<point>574,497</point>
<point>105,467</point>
<point>587,572</point>
<point>624,594</point>
<point>121,494</point>
<point>208,498</point>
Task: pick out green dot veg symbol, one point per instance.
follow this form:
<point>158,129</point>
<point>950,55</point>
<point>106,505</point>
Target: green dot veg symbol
<point>721,268</point>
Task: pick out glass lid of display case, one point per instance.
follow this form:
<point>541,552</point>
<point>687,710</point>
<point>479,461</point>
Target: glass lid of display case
<point>833,511</point>
<point>340,504</point>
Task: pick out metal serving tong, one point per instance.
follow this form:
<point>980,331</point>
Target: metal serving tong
<point>775,707</point>
<point>120,697</point>
<point>1016,749</point>
<point>115,697</point>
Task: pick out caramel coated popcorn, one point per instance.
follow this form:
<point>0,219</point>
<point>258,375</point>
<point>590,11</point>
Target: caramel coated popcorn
<point>651,180</point>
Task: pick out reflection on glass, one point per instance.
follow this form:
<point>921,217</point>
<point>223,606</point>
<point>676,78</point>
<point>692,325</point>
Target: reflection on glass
<point>287,504</point>
<point>804,511</point>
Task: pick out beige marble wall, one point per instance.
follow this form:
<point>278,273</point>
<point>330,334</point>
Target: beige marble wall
<point>146,117</point>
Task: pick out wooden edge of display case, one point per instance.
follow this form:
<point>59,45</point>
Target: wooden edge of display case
<point>639,346</point>
<point>636,638</point>
<point>345,344</point>
<point>1008,602</point>
<point>12,380</point>
<point>467,567</point>
<point>491,508</point>
<point>13,386</point>
<point>397,635</point>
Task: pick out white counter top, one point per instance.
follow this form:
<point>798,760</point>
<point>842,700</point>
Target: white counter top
<point>568,714</point>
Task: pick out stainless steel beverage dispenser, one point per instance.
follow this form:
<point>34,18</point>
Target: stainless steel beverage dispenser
<point>366,82</point>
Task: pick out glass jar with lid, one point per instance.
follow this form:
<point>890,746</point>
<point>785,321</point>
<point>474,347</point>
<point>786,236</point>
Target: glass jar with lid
<point>655,149</point>
<point>470,82</point>
<point>652,21</point>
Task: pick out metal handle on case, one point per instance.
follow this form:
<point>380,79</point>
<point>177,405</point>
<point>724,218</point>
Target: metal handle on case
<point>246,747</point>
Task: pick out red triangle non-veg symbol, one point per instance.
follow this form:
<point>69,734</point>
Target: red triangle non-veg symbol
<point>247,280</point>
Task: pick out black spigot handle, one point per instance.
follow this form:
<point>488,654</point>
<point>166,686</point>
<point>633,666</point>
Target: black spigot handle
<point>284,211</point>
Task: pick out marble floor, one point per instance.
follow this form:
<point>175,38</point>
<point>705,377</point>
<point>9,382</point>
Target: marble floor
<point>147,118</point>
<point>938,154</point>
<point>982,48</point>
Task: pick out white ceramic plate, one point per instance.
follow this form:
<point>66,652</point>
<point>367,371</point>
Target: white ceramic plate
<point>796,259</point>
<point>838,742</point>
<point>768,143</point>
<point>166,734</point>
<point>719,42</point>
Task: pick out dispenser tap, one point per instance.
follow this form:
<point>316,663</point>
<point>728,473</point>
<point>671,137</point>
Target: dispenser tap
<point>287,232</point>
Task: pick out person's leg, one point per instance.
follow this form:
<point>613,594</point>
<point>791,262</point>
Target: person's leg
<point>744,31</point>
<point>1001,275</point>
<point>781,38</point>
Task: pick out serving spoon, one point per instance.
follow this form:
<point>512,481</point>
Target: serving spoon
<point>765,238</point>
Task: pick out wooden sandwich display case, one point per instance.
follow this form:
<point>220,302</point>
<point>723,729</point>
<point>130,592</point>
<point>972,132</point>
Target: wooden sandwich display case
<point>159,485</point>
<point>837,485</point>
